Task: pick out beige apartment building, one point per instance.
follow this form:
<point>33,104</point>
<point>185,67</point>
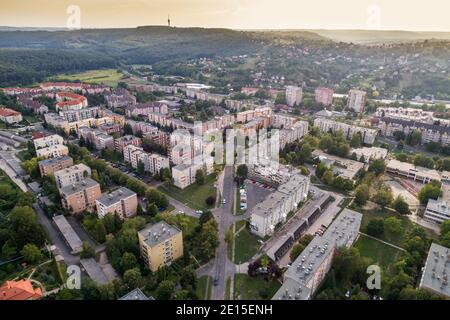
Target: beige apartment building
<point>71,175</point>
<point>52,165</point>
<point>356,100</point>
<point>52,152</point>
<point>160,244</point>
<point>80,196</point>
<point>122,202</point>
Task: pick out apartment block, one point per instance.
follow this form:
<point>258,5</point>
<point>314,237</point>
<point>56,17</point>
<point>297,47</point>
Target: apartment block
<point>294,95</point>
<point>49,166</point>
<point>143,109</point>
<point>160,244</point>
<point>369,154</point>
<point>71,175</point>
<point>70,101</point>
<point>307,272</point>
<point>122,202</point>
<point>356,100</point>
<point>153,163</point>
<point>184,174</point>
<point>436,270</point>
<point>52,152</point>
<point>10,116</point>
<point>127,140</point>
<point>430,132</point>
<point>80,196</point>
<point>97,138</point>
<point>368,135</point>
<point>324,96</point>
<point>48,141</point>
<point>275,208</point>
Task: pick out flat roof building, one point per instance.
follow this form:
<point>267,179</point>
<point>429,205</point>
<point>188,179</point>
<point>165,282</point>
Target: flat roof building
<point>122,202</point>
<point>49,166</point>
<point>71,175</point>
<point>70,236</point>
<point>436,270</point>
<point>410,171</point>
<point>437,211</point>
<point>307,272</point>
<point>160,244</point>
<point>80,196</point>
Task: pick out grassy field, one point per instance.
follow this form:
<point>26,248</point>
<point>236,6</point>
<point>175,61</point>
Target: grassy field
<point>246,245</point>
<point>186,223</point>
<point>193,196</point>
<point>248,288</point>
<point>227,288</point>
<point>201,288</point>
<point>109,77</point>
<point>381,254</point>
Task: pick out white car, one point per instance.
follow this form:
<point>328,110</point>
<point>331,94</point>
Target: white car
<point>224,201</point>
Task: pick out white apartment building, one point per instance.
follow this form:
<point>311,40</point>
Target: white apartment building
<point>72,175</point>
<point>437,211</point>
<point>153,163</point>
<point>52,152</point>
<point>48,141</point>
<point>372,153</point>
<point>356,100</point>
<point>326,125</point>
<point>275,208</point>
<point>184,174</point>
<point>294,95</point>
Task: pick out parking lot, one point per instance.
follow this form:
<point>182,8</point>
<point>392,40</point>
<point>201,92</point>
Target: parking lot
<point>256,193</point>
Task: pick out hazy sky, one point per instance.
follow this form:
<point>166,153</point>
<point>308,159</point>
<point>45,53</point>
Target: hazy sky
<point>429,15</point>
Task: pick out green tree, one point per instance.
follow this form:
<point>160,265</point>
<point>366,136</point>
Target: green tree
<point>152,210</point>
<point>414,138</point>
<point>199,177</point>
<point>383,196</point>
<point>356,141</point>
<point>132,278</point>
<point>242,172</point>
<point>429,191</point>
<point>31,253</point>
<point>393,225</point>
<point>375,227</point>
<point>296,250</point>
<point>165,290</point>
<point>377,166</point>
<point>401,206</point>
<point>128,261</point>
<point>99,231</point>
<point>361,194</point>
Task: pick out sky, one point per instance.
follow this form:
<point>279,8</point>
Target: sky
<point>429,15</point>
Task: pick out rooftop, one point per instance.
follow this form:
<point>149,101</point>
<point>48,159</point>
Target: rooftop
<point>136,294</point>
<point>76,187</point>
<point>157,233</point>
<point>436,270</point>
<point>299,276</point>
<point>115,196</point>
<point>68,233</point>
<point>54,160</point>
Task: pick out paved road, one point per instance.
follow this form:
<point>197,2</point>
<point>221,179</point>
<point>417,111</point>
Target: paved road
<point>56,237</point>
<point>223,267</point>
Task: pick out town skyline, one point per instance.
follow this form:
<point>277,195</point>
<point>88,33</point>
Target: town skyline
<point>240,15</point>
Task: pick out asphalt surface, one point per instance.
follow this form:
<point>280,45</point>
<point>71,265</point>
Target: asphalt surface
<point>223,267</point>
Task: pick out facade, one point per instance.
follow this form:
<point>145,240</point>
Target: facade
<point>49,166</point>
<point>71,175</point>
<point>430,132</point>
<point>324,96</point>
<point>80,196</point>
<point>307,272</point>
<point>437,211</point>
<point>342,167</point>
<point>356,100</point>
<point>97,138</point>
<point>74,115</point>
<point>144,109</point>
<point>294,95</point>
<point>70,101</point>
<point>122,202</point>
<point>120,98</point>
<point>297,131</point>
<point>160,244</point>
<point>52,152</point>
<point>19,290</point>
<point>421,174</point>
<point>275,208</point>
<point>184,174</point>
<point>153,162</point>
<point>48,141</point>
<point>326,125</point>
<point>436,270</point>
<point>369,154</point>
<point>127,140</point>
<point>10,116</point>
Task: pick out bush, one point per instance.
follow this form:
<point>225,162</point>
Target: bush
<point>210,201</point>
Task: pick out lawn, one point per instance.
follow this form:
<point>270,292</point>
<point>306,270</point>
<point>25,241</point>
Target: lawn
<point>248,288</point>
<point>246,245</point>
<point>186,223</point>
<point>381,254</point>
<point>109,77</point>
<point>193,196</point>
<point>227,288</point>
<point>201,288</point>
